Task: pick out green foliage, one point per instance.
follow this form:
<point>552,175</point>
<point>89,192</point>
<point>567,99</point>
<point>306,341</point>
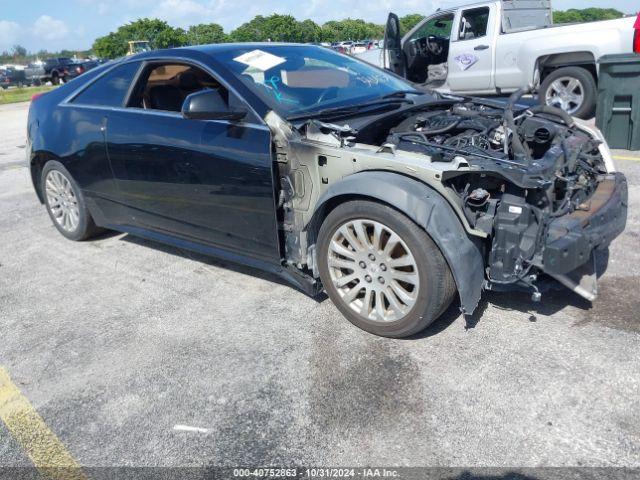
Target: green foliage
<point>586,15</point>
<point>310,32</point>
<point>206,33</point>
<point>351,29</point>
<point>19,51</point>
<point>25,57</point>
<point>158,32</point>
<point>276,28</point>
<point>409,21</point>
<point>285,28</point>
<point>24,94</point>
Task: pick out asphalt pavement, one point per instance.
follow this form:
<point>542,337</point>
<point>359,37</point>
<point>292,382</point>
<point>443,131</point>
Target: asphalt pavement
<point>138,354</point>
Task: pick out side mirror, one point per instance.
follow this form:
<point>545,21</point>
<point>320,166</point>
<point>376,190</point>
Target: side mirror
<point>209,105</point>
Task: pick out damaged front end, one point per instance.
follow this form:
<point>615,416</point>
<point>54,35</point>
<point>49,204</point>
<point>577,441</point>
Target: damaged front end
<point>535,189</point>
<point>540,186</point>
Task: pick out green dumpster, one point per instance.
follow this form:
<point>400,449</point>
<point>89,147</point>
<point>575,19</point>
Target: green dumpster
<point>618,112</point>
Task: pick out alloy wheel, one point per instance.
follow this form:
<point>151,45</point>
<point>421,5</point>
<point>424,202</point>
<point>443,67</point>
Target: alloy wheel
<point>62,201</point>
<point>373,270</point>
<point>566,93</point>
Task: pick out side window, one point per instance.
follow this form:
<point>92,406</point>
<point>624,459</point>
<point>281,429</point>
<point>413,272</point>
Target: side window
<point>109,90</point>
<point>474,23</point>
<point>166,86</point>
<point>439,27</point>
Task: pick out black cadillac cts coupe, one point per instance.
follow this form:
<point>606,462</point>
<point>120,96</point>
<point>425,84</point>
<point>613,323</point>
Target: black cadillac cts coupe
<point>331,173</point>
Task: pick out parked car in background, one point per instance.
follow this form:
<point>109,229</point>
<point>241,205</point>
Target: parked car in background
<point>345,47</point>
<point>330,173</point>
<point>56,70</point>
<point>12,77</point>
<point>60,70</point>
<point>80,67</point>
<point>35,73</point>
<point>497,47</point>
<point>358,47</point>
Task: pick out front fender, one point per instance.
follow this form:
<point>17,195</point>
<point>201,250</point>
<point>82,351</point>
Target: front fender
<point>429,210</point>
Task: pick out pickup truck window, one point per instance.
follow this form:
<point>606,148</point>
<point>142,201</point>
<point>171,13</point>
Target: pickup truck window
<point>440,26</point>
<point>473,23</point>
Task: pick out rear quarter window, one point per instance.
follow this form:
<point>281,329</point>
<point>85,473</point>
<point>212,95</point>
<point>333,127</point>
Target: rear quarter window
<point>110,89</point>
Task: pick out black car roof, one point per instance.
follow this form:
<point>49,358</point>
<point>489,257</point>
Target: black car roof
<point>212,49</point>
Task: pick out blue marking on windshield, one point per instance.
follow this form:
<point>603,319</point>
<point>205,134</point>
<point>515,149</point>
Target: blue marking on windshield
<point>274,81</point>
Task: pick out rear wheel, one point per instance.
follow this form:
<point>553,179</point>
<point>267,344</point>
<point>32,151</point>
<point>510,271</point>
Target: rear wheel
<point>55,79</point>
<point>571,89</point>
<point>65,203</point>
<point>381,270</point>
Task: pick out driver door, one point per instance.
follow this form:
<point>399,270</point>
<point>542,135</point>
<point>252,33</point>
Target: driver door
<point>414,51</point>
<point>393,57</point>
<point>472,50</point>
<point>208,181</point>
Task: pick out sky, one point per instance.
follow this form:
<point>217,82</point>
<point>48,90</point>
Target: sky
<point>74,24</point>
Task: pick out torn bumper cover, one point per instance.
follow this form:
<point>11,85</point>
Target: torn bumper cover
<point>573,237</point>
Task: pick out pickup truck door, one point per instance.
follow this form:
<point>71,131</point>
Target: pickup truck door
<point>472,49</point>
<point>393,57</point>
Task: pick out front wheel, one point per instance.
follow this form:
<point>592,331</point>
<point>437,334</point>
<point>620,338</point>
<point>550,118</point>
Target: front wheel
<point>572,89</point>
<point>382,271</point>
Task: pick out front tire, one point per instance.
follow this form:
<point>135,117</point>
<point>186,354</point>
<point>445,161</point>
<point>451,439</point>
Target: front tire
<point>65,203</point>
<point>572,89</point>
<point>382,271</point>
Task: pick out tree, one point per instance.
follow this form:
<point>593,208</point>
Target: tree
<point>351,29</point>
<point>274,28</point>
<point>409,21</point>
<point>310,32</point>
<point>252,31</point>
<point>19,51</point>
<point>206,33</point>
<point>158,32</point>
<point>586,15</point>
<point>283,28</point>
<point>110,46</point>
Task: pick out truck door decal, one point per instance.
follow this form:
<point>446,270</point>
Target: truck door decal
<point>466,61</point>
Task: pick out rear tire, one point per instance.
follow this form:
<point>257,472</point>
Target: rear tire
<point>392,292</point>
<point>65,203</point>
<point>573,89</point>
<point>55,79</point>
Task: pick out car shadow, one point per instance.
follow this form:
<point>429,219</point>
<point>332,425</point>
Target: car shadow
<point>205,259</point>
<point>554,299</point>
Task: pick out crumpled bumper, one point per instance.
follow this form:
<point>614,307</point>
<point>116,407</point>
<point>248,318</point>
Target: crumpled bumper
<point>573,237</point>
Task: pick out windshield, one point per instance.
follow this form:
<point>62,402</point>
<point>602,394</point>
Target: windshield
<point>304,79</point>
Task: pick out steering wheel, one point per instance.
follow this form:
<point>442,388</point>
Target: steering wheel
<point>434,45</point>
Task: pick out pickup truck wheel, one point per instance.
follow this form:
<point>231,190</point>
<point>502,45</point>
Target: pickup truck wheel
<point>55,79</point>
<point>382,271</point>
<point>572,89</point>
<point>65,203</point>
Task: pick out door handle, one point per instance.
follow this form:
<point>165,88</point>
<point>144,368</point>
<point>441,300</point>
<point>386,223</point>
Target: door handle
<point>481,47</point>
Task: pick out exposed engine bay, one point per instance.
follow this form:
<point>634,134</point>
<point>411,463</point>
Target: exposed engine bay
<point>530,174</point>
<point>536,192</point>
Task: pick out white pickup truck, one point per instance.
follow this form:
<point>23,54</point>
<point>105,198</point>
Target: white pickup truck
<point>499,46</point>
